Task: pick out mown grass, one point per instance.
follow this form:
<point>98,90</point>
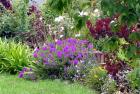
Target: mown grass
<point>13,85</point>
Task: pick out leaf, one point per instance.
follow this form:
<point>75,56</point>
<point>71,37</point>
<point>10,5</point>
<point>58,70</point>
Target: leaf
<point>135,36</point>
<point>112,44</point>
<point>122,54</point>
<point>122,41</point>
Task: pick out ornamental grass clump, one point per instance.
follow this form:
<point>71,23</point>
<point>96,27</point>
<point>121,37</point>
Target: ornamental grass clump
<point>66,59</point>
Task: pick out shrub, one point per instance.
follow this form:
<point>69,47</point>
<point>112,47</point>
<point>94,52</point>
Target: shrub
<point>134,79</point>
<point>15,19</point>
<point>95,78</point>
<point>66,59</point>
<point>109,86</point>
<point>13,56</point>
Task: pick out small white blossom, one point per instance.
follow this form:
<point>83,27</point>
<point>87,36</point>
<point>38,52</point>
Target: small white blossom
<point>56,40</point>
<point>96,12</point>
<point>40,18</point>
<point>59,19</point>
<point>72,27</point>
<point>61,36</point>
<point>112,21</point>
<point>83,13</point>
<point>62,29</point>
<point>77,35</point>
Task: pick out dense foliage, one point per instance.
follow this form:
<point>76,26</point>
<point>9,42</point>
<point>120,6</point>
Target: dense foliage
<point>62,33</point>
<point>13,56</point>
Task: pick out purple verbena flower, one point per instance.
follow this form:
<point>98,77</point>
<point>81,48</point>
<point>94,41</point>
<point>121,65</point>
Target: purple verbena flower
<point>59,54</point>
<point>35,55</point>
<point>42,55</point>
<point>44,48</point>
<point>21,74</point>
<point>59,42</point>
<point>75,61</point>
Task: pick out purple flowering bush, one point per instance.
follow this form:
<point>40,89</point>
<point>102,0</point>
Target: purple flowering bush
<point>66,59</point>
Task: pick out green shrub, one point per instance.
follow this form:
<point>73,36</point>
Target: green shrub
<point>109,86</point>
<point>15,20</point>
<point>13,56</point>
<point>95,78</point>
<point>134,79</point>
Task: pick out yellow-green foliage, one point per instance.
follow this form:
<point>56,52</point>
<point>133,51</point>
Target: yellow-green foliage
<point>13,56</point>
<point>95,78</point>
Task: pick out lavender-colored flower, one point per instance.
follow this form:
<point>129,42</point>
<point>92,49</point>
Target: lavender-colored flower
<point>90,46</point>
<point>31,69</point>
<point>46,63</point>
<point>44,48</point>
<point>59,54</point>
<point>42,55</point>
<point>59,42</point>
<point>79,56</point>
<point>35,55</point>
<point>73,48</point>
<point>52,45</point>
<point>36,50</point>
<point>21,74</point>
<point>75,61</point>
<point>72,41</point>
<point>24,69</point>
<point>66,49</point>
<point>52,50</point>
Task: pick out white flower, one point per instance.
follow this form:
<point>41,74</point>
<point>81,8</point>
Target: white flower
<point>40,18</point>
<point>54,32</point>
<point>83,13</point>
<point>72,27</point>
<point>56,40</point>
<point>59,19</point>
<point>96,12</point>
<point>112,21</point>
<point>77,35</point>
<point>62,29</point>
<point>61,36</point>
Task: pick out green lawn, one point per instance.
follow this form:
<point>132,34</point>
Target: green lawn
<point>13,85</point>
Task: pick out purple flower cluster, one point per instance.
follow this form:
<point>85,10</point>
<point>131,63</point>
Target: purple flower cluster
<point>27,73</point>
<point>25,69</point>
<point>6,4</point>
<point>69,50</point>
